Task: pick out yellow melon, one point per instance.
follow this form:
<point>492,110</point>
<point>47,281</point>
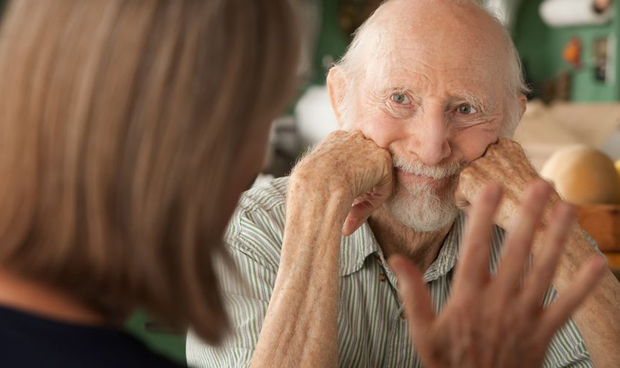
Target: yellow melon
<point>583,175</point>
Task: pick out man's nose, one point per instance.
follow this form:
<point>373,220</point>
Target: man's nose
<point>430,140</point>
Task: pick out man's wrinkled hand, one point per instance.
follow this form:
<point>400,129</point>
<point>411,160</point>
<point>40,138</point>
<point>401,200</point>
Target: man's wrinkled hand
<point>497,321</point>
<point>504,162</point>
<point>348,165</point>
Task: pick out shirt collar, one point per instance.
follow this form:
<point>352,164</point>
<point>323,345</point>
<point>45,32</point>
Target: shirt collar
<point>358,246</point>
<point>449,252</point>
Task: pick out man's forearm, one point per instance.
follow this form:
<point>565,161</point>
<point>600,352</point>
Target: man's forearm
<point>598,318</point>
<point>301,325</point>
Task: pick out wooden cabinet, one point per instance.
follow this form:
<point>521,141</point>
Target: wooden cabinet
<point>602,222</point>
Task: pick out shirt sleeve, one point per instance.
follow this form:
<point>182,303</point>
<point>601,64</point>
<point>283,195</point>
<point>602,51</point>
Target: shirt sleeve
<point>247,300</point>
<point>254,242</point>
<point>567,348</point>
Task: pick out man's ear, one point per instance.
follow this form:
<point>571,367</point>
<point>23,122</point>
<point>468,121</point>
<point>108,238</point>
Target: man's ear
<point>336,86</point>
<point>523,103</point>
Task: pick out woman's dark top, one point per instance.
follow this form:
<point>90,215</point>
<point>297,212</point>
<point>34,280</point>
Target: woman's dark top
<point>30,341</point>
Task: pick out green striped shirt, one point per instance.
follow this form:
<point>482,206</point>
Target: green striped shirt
<point>371,332</point>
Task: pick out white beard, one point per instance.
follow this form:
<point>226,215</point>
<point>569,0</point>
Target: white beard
<point>420,207</point>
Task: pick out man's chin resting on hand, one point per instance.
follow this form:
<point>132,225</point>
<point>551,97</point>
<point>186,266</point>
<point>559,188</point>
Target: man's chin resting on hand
<point>427,97</point>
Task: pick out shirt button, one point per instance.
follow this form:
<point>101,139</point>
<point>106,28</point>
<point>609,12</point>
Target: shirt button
<point>382,277</point>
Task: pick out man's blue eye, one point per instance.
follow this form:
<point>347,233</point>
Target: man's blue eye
<point>466,110</point>
<point>400,98</point>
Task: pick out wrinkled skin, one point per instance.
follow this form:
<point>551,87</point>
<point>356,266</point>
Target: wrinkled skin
<point>503,162</point>
<point>364,172</point>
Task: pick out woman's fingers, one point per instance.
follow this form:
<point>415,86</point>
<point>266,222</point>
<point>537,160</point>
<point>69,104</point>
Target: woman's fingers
<point>519,242</point>
<point>473,269</point>
<point>416,299</point>
<point>566,303</point>
<point>546,261</point>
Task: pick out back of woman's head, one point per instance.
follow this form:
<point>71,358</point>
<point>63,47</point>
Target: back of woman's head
<point>120,121</point>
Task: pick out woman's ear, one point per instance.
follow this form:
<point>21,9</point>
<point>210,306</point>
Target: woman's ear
<point>336,86</point>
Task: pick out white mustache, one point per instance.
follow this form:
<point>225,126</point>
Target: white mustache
<point>420,169</point>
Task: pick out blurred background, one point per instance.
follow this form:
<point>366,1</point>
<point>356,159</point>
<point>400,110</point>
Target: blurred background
<point>571,131</point>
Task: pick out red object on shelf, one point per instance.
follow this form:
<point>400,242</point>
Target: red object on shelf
<point>572,52</point>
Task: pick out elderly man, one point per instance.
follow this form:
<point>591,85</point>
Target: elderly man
<point>425,95</point>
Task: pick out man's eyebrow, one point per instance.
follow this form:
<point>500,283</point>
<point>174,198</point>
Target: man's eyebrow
<point>383,92</point>
<point>487,103</point>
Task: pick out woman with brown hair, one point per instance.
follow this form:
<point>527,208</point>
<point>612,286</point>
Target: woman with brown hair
<point>128,129</point>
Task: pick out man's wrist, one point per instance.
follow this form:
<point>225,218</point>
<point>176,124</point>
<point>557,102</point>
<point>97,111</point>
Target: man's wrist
<point>578,250</point>
<point>314,219</point>
<point>305,190</point>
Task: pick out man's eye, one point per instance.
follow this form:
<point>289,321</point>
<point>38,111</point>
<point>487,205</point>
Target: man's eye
<point>466,110</point>
<point>400,98</point>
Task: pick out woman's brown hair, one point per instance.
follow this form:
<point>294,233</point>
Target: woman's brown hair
<point>120,122</point>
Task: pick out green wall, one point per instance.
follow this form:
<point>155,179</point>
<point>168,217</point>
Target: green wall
<point>541,50</point>
<point>331,42</point>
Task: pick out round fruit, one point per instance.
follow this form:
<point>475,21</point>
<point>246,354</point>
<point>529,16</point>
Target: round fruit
<point>583,175</point>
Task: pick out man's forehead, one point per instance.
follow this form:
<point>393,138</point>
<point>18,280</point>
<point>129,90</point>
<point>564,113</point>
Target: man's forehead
<point>439,47</point>
<point>420,77</point>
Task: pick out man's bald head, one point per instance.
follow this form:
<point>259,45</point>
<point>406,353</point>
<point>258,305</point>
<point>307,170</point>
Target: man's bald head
<point>459,29</point>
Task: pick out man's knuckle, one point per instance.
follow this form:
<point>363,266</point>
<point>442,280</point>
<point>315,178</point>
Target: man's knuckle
<point>357,135</point>
<point>468,172</point>
<point>335,134</point>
